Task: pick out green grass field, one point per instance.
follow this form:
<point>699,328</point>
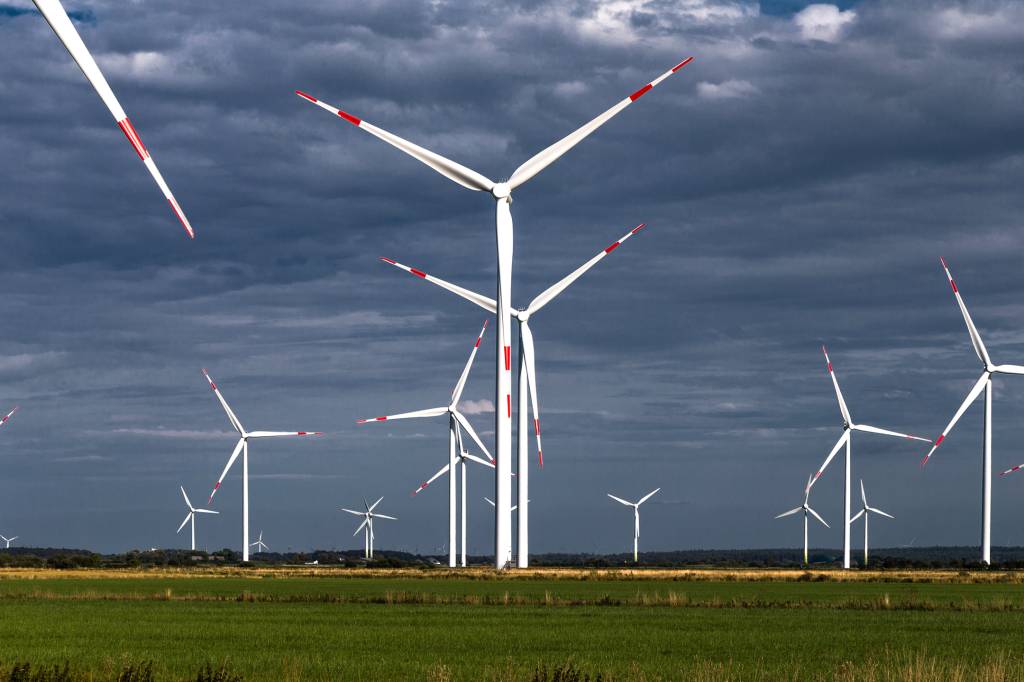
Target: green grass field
<point>279,626</point>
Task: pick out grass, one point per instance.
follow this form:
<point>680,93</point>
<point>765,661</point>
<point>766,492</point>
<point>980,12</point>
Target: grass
<point>297,625</point>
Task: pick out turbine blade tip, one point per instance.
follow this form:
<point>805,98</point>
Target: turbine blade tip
<point>682,64</point>
<point>387,260</point>
<point>638,228</point>
<point>303,95</point>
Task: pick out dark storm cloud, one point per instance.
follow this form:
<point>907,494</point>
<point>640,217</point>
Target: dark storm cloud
<point>799,180</point>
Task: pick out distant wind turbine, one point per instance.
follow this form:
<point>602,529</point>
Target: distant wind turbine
<point>636,518</point>
<point>192,511</point>
<point>367,525</point>
<point>8,541</point>
<point>259,545</point>
<point>806,509</point>
<point>865,511</point>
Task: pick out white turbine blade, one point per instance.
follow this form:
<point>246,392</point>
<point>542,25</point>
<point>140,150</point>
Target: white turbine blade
<point>879,511</point>
<point>1008,369</point>
<point>187,517</point>
<point>374,505</point>
<point>647,496</point>
<point>857,516</point>
<point>472,433</point>
<point>278,434</point>
<point>1012,469</point>
<point>187,501</point>
<point>789,513</point>
<point>807,490</point>
<point>531,380</point>
<point>484,302</point>
<point>385,516</point>
<point>231,460</point>
<point>58,20</point>
<point>350,511</point>
<point>13,539</point>
<point>863,496</point>
<point>545,297</point>
<point>455,172</point>
<point>884,432</point>
<point>839,394</point>
<point>815,514</point>
<point>489,501</point>
<point>619,499</point>
<point>204,511</point>
<point>8,416</point>
<point>835,449</point>
<point>979,346</point>
<point>542,160</point>
<point>971,396</point>
<point>9,539</point>
<point>442,472</point>
<point>227,409</point>
<point>479,460</point>
<point>432,412</point>
<point>457,392</point>
<point>360,526</point>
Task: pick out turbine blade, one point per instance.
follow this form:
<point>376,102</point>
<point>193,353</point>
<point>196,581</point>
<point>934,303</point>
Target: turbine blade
<point>224,403</point>
<point>1008,369</point>
<point>58,20</point>
<point>455,172</point>
<point>789,513</point>
<point>350,511</point>
<point>441,472</point>
<point>374,505</point>
<point>8,416</point>
<point>278,434</point>
<point>479,460</point>
<point>879,511</point>
<point>979,346</point>
<point>432,412</point>
<point>807,490</point>
<point>531,380</point>
<point>489,501</point>
<point>884,432</point>
<point>839,394</point>
<point>187,501</point>
<point>1012,469</point>
<point>863,496</point>
<point>187,517</point>
<point>815,514</point>
<point>483,301</point>
<point>385,516</point>
<point>472,433</point>
<point>647,496</point>
<point>457,393</point>
<point>619,499</point>
<point>204,511</point>
<point>971,396</point>
<point>857,516</point>
<point>835,449</point>
<point>548,156</point>
<point>227,467</point>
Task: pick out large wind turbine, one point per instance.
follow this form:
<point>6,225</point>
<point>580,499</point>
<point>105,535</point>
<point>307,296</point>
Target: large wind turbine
<point>8,541</point>
<point>455,419</point>
<point>865,510</point>
<point>463,457</point>
<point>848,428</point>
<point>367,525</point>
<point>192,511</point>
<point>527,372</point>
<point>806,509</point>
<point>242,446</point>
<point>61,24</point>
<point>502,194</point>
<point>636,518</point>
<point>984,382</point>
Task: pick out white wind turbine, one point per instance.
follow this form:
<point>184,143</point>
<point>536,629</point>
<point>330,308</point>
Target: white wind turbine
<point>984,382</point>
<point>61,24</point>
<point>461,459</point>
<point>367,525</point>
<point>243,447</point>
<point>455,419</point>
<point>636,518</point>
<point>865,510</point>
<point>848,428</point>
<point>8,541</point>
<point>502,194</point>
<point>192,511</point>
<point>259,544</point>
<point>806,509</point>
<point>527,373</point>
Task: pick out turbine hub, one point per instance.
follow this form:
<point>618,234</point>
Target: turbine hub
<point>501,190</point>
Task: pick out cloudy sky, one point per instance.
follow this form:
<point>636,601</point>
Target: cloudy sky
<point>800,180</point>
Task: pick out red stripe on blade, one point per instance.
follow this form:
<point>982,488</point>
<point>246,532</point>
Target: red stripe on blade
<point>536,426</point>
<point>640,93</point>
<point>682,64</point>
<point>941,438</point>
<point>349,117</point>
<point>300,93</point>
<point>387,260</point>
<point>418,273</point>
<point>508,358</point>
<point>953,284</point>
<point>508,399</point>
<point>129,131</point>
<point>612,247</point>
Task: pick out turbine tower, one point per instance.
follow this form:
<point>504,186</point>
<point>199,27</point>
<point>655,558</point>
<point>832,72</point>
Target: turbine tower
<point>527,374</point>
<point>192,511</point>
<point>865,510</point>
<point>806,509</point>
<point>502,194</point>
<point>848,428</point>
<point>455,419</point>
<point>984,383</point>
<point>367,525</point>
<point>259,544</point>
<point>636,519</point>
<point>242,446</point>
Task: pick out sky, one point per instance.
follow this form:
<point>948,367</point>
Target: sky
<point>800,180</point>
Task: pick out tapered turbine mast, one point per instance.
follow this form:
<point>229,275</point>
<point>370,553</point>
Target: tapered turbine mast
<point>61,24</point>
<point>502,194</point>
<point>192,511</point>
<point>865,510</point>
<point>367,525</point>
<point>8,541</point>
<point>259,544</point>
<point>242,447</point>
<point>636,519</point>
<point>455,420</point>
<point>848,428</point>
<point>806,509</point>
<point>984,383</point>
<point>527,374</point>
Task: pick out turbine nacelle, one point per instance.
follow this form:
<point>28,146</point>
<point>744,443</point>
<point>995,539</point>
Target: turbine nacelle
<point>501,190</point>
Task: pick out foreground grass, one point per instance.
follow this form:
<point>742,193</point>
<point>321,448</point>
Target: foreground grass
<point>407,626</point>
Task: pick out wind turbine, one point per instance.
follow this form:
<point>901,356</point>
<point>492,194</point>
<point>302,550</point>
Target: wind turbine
<point>865,510</point>
<point>636,518</point>
<point>367,525</point>
<point>61,24</point>
<point>460,459</point>
<point>527,373</point>
<point>8,541</point>
<point>3,420</point>
<point>984,382</point>
<point>806,509</point>
<point>502,194</point>
<point>848,428</point>
<point>455,419</point>
<point>242,446</point>
<point>491,502</point>
<point>192,511</point>
<point>259,544</point>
